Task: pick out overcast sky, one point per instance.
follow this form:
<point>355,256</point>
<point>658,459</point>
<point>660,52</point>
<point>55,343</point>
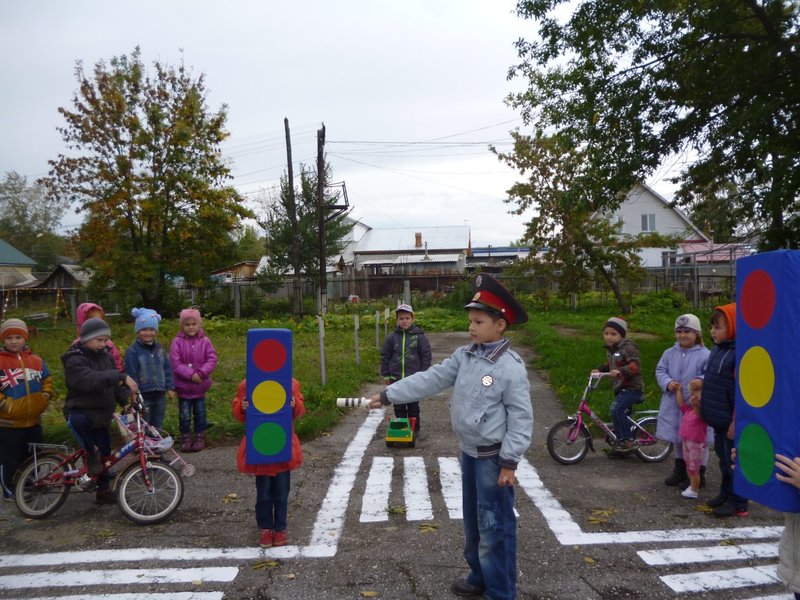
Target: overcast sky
<point>384,77</point>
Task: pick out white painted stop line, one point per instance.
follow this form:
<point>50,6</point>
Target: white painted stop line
<point>375,502</point>
<point>708,581</point>
<point>692,555</point>
<point>116,577</point>
<point>143,596</point>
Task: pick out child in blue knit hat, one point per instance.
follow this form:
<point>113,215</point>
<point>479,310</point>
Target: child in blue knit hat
<point>147,362</point>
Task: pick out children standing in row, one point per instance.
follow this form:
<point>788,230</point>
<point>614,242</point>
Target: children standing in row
<point>492,416</point>
<point>678,367</point>
<point>622,364</point>
<point>26,388</point>
<point>147,362</point>
<point>405,352</point>
<point>193,358</point>
<point>717,404</point>
<point>272,480</point>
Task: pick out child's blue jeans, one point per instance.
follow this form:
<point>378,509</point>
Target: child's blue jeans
<point>272,500</point>
<point>620,408</point>
<point>490,528</point>
<point>156,405</point>
<point>188,406</point>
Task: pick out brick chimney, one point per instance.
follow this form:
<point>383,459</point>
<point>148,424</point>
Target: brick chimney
<point>418,240</point>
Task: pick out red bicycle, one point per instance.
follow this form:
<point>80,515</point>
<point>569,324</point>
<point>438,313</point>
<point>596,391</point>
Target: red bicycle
<point>570,440</point>
<point>147,489</point>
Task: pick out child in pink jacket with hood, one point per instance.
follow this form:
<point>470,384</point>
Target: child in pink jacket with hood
<point>193,358</point>
<point>90,310</point>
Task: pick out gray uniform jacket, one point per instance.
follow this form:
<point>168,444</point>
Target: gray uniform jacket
<point>490,408</point>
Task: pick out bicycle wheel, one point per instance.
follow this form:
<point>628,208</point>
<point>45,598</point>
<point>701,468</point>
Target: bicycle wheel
<point>648,447</point>
<point>146,506</point>
<point>37,497</point>
<point>566,443</point>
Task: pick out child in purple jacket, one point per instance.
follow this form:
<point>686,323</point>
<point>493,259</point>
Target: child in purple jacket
<point>193,358</point>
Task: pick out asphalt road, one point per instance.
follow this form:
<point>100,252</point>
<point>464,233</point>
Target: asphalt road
<point>603,529</point>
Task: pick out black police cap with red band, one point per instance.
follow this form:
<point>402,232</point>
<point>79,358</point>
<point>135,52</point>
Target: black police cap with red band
<point>491,295</point>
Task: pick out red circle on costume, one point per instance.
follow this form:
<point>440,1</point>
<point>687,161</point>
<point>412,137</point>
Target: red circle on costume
<point>269,355</point>
<point>758,299</point>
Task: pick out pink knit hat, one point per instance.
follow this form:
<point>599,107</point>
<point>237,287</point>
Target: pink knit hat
<point>190,313</point>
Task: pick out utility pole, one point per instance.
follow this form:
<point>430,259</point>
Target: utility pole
<point>296,293</point>
<point>323,275</point>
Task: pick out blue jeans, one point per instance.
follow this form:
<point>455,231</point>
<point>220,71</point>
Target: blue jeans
<point>187,406</point>
<point>723,447</point>
<point>490,528</point>
<point>91,437</point>
<point>272,500</point>
<point>620,409</point>
<point>155,403</point>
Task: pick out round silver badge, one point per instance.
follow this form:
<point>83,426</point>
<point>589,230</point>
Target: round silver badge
<point>487,380</point>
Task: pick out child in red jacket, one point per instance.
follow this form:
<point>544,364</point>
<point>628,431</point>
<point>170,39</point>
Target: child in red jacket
<point>272,480</point>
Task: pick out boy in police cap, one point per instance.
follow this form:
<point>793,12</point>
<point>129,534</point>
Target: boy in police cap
<point>492,416</point>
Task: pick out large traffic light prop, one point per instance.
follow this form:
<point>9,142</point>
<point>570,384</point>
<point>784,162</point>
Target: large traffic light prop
<point>268,420</point>
<point>768,375</point>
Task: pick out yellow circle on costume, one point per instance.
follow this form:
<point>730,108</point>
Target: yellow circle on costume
<point>269,397</point>
<point>756,377</point>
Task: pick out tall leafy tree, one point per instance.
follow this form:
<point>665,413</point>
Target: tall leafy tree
<point>635,82</point>
<point>145,168</point>
<point>29,218</point>
<point>569,222</point>
<point>283,254</point>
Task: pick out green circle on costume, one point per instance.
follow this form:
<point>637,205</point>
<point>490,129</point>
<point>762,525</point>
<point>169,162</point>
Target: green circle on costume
<point>755,454</point>
<point>269,397</point>
<point>756,377</point>
<point>269,439</point>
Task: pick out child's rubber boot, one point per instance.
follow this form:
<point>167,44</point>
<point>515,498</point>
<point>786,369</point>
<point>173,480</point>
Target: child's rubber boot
<point>186,442</point>
<point>678,475</point>
<point>199,442</point>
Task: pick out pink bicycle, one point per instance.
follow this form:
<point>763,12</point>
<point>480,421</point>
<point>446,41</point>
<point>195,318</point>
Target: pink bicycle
<point>570,440</point>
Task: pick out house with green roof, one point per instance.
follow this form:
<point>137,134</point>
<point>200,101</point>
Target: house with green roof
<point>15,268</point>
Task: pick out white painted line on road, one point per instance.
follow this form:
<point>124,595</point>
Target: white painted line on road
<point>569,533</point>
<point>116,577</point>
<point>707,581</point>
<point>450,477</point>
<point>330,518</point>
<point>375,502</point>
<point>692,555</point>
<point>415,489</point>
<point>142,596</point>
<point>774,597</point>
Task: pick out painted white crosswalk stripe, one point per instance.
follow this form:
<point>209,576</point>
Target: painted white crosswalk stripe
<point>450,477</point>
<point>415,489</point>
<point>41,579</point>
<point>690,555</point>
<point>142,596</point>
<point>708,581</point>
<point>375,502</point>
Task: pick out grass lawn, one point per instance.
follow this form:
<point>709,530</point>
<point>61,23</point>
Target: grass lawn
<point>569,344</point>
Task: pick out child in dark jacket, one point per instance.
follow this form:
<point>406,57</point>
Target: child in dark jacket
<point>404,352</point>
<point>622,364</point>
<point>94,387</point>
<point>148,363</point>
<point>26,388</point>
<point>88,310</point>
<point>717,398</point>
